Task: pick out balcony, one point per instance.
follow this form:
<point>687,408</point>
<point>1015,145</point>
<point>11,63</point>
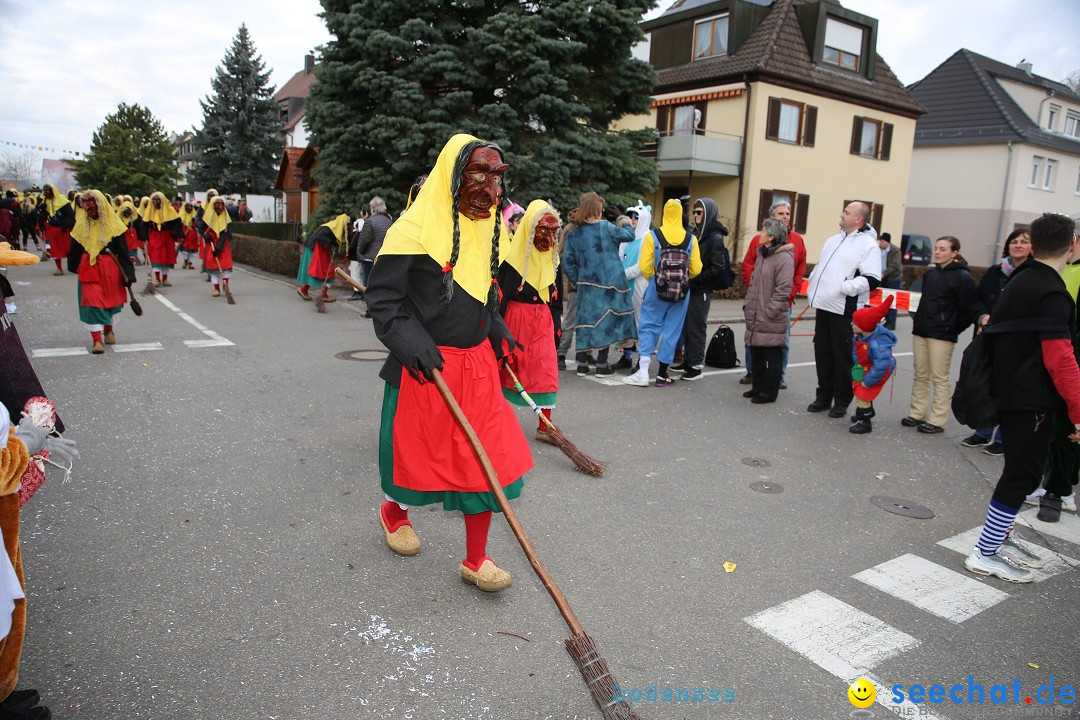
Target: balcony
<point>705,152</point>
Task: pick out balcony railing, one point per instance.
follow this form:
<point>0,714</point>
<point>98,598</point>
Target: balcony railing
<point>705,152</point>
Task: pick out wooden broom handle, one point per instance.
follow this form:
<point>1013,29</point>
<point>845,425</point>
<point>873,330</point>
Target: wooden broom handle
<point>348,278</point>
<point>504,504</point>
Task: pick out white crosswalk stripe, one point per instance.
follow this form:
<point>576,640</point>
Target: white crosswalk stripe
<point>931,587</point>
<point>1056,563</point>
<point>1068,528</point>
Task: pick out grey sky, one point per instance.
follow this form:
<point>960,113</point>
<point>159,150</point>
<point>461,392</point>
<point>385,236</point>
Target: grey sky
<point>60,85</point>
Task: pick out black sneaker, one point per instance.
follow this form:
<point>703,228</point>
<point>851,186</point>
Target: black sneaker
<point>975,440</point>
<point>751,394</point>
<point>783,385</point>
<point>604,370</point>
<point>748,378</point>
<point>929,428</point>
<point>681,367</point>
<point>994,449</point>
<point>562,362</point>
<point>1049,508</point>
<point>692,374</point>
<point>624,363</point>
<point>910,422</point>
<point>860,426</point>
<point>582,370</point>
<point>838,411</point>
<point>816,406</point>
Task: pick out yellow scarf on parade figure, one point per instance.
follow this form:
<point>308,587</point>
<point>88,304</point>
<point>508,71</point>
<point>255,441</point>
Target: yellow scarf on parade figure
<point>208,205</point>
<point>216,222</point>
<point>94,235</point>
<point>144,208</point>
<point>120,212</point>
<point>337,226</point>
<point>187,217</point>
<point>57,202</point>
<point>160,215</point>
<point>427,228</point>
<point>535,266</point>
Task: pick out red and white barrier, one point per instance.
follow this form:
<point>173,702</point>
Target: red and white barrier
<point>902,299</point>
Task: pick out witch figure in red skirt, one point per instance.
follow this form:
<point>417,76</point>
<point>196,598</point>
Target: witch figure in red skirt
<point>60,217</point>
<point>99,256</point>
<point>189,245</point>
<point>527,282</point>
<point>433,295</point>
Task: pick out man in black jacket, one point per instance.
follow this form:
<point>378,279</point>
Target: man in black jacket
<point>713,265</point>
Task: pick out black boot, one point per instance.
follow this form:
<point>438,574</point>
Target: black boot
<point>862,425</point>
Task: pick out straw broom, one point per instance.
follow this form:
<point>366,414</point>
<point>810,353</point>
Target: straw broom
<point>582,462</point>
<point>594,669</point>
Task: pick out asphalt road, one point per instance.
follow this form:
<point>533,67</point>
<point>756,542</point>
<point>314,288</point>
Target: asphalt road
<point>216,552</point>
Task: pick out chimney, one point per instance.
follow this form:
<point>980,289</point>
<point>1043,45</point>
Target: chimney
<point>309,64</point>
<point>1025,66</point>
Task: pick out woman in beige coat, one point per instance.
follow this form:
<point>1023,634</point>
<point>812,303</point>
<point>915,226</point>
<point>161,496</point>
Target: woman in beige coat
<point>766,310</point>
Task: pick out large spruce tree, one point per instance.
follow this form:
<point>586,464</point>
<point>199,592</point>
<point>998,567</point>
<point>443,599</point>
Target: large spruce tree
<point>240,140</point>
<point>130,154</point>
<point>544,80</point>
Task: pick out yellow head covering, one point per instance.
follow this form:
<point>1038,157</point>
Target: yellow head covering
<point>672,226</point>
<point>144,207</point>
<point>535,266</point>
<point>94,235</point>
<point>187,217</point>
<point>337,226</point>
<point>160,215</point>
<point>428,228</point>
<point>57,202</point>
<point>215,222</point>
<point>120,212</point>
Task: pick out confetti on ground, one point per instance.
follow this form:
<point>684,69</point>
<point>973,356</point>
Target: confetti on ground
<point>881,475</point>
<point>729,566</point>
<point>1033,665</point>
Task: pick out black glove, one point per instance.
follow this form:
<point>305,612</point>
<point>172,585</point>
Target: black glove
<point>426,360</point>
<point>502,342</point>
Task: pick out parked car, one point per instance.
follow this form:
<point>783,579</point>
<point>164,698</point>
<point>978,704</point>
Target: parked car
<point>916,250</point>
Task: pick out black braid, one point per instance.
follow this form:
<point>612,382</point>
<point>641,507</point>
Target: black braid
<point>448,273</point>
<point>493,292</point>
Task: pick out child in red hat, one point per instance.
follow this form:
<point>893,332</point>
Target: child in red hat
<point>872,352</point>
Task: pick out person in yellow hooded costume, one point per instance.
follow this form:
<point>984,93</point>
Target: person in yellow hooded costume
<point>527,283</point>
<point>317,263</point>
<point>60,217</point>
<point>164,230</point>
<point>217,246</point>
<point>100,257</point>
<point>433,295</point>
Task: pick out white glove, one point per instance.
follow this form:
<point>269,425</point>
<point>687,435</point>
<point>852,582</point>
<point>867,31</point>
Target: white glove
<point>31,435</point>
<point>61,449</point>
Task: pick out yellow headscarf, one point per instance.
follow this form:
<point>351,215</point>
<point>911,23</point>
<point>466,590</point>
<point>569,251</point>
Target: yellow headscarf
<point>672,226</point>
<point>188,217</point>
<point>57,202</point>
<point>216,222</point>
<point>94,235</point>
<point>208,204</point>
<point>427,228</point>
<point>160,215</point>
<point>120,212</point>
<point>338,226</point>
<point>538,268</point>
<point>144,208</point>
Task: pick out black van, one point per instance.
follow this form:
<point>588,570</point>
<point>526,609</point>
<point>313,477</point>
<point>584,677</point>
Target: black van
<point>916,250</point>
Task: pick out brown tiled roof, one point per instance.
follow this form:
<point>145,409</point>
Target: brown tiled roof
<point>288,161</point>
<point>299,86</point>
<point>776,52</point>
<point>295,120</point>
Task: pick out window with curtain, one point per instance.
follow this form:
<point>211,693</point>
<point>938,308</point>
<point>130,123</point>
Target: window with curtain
<point>710,37</point>
<point>843,44</point>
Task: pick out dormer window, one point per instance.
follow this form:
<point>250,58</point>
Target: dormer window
<point>843,44</point>
<point>711,37</point>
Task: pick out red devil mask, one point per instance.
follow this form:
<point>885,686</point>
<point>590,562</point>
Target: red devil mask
<point>481,183</point>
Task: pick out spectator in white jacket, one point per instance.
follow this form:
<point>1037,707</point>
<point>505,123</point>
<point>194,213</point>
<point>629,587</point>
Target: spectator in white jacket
<point>848,269</point>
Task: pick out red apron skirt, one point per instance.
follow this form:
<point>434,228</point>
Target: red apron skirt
<point>320,267</point>
<point>212,264</point>
<point>191,238</point>
<point>431,452</point>
<point>132,237</point>
<point>100,284</point>
<point>537,365</point>
<point>59,241</point>
<point>162,248</point>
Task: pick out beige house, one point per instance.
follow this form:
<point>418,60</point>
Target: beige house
<point>998,147</point>
<point>757,102</point>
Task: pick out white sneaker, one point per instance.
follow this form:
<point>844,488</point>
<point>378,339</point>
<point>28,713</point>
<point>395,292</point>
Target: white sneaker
<point>997,565</point>
<point>11,310</point>
<point>640,378</point>
<point>1022,553</point>
<point>1033,498</point>
<point>1068,502</point>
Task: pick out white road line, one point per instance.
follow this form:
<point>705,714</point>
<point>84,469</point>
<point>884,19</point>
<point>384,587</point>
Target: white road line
<point>216,339</point>
<point>1067,529</point>
<point>58,352</point>
<point>1056,563</point>
<point>931,587</point>
<point>137,347</point>
<point>835,636</point>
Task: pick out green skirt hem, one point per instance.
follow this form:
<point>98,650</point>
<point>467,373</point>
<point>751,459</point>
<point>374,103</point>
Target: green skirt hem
<point>541,399</point>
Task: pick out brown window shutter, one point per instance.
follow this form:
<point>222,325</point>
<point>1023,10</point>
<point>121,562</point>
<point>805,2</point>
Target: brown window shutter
<point>875,216</point>
<point>662,119</point>
<point>856,135</point>
<point>802,211</point>
<point>764,201</point>
<point>810,129</point>
<point>886,141</point>
<point>772,124</point>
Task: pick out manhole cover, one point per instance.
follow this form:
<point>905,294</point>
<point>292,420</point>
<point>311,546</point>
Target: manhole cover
<point>907,508</point>
<point>362,355</point>
<point>756,462</point>
<point>770,488</point>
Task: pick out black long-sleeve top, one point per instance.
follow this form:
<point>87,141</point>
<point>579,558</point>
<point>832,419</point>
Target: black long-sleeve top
<point>510,281</point>
<point>64,218</point>
<point>404,300</point>
<point>117,246</point>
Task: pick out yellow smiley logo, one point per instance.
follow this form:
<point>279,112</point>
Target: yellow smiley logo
<point>862,693</point>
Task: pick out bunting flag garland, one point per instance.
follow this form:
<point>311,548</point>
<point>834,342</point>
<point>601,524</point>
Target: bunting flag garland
<point>41,148</point>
